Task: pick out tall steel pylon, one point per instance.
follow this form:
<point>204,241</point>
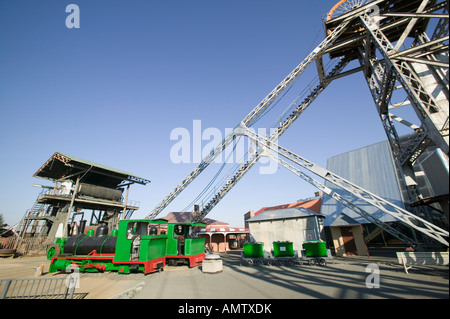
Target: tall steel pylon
<point>401,46</point>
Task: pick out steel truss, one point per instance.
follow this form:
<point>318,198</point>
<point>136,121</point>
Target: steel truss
<point>251,117</point>
<point>397,66</point>
<point>393,68</point>
<point>365,34</point>
<point>380,203</point>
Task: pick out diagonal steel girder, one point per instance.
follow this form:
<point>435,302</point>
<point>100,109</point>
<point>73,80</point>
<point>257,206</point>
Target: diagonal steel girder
<point>239,131</point>
<point>384,226</point>
<point>378,202</point>
<point>252,116</point>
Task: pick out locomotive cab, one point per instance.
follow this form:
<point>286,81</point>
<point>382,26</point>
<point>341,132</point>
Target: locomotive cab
<point>140,240</point>
<point>184,245</point>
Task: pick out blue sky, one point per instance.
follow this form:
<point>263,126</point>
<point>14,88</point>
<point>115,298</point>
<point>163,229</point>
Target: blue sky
<point>113,90</point>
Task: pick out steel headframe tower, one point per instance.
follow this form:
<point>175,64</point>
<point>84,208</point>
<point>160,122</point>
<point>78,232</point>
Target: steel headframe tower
<point>402,47</point>
<point>391,41</point>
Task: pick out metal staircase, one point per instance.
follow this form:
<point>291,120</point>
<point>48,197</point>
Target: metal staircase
<point>37,211</point>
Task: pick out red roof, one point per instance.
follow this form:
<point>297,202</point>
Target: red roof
<point>185,217</point>
<point>212,225</point>
<point>224,228</point>
<point>313,205</point>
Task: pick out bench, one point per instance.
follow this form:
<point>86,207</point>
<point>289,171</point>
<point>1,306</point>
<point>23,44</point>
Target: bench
<point>421,258</point>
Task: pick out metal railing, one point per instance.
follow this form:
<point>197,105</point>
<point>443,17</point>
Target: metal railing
<point>38,288</point>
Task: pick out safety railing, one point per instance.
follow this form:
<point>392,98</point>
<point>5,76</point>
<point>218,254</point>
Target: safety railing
<point>38,288</point>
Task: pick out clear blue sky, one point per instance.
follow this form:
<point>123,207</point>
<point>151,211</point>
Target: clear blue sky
<point>113,90</point>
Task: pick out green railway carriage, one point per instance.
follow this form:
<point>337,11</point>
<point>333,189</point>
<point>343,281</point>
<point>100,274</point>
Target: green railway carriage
<point>139,245</point>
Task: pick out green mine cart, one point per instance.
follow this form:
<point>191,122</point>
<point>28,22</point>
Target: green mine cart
<point>283,249</point>
<point>315,248</point>
<point>316,252</point>
<point>253,250</point>
<point>253,254</point>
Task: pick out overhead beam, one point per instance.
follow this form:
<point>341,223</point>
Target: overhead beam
<point>419,47</point>
<point>403,121</point>
<point>424,61</point>
<point>252,117</point>
<point>410,26</point>
<point>415,15</point>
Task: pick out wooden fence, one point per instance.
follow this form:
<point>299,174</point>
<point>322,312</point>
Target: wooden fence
<point>36,246</point>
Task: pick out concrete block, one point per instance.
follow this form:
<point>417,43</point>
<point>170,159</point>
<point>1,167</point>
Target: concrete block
<point>212,266</point>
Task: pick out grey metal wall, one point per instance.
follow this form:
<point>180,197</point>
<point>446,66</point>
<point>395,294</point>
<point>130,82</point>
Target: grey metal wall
<point>436,171</point>
<point>370,167</point>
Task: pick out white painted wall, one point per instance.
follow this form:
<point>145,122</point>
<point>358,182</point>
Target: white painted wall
<point>296,230</point>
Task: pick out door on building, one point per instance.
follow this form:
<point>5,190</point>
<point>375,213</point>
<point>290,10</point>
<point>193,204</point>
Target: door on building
<point>349,241</point>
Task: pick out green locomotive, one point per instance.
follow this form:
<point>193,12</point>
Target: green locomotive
<point>139,245</point>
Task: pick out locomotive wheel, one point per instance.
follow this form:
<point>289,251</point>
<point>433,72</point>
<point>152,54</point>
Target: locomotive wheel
<point>53,251</point>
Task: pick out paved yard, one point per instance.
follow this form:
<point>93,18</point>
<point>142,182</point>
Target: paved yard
<point>92,286</point>
<point>345,279</point>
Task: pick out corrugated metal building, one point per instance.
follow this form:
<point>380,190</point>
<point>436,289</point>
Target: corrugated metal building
<point>436,168</point>
<point>370,167</point>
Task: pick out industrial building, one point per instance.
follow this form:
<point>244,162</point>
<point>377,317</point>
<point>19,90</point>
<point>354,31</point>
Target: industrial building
<point>84,195</point>
<point>373,168</point>
<point>296,223</point>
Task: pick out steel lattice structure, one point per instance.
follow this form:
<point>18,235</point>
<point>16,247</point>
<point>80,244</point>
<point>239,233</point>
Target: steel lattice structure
<point>399,50</point>
<point>401,46</point>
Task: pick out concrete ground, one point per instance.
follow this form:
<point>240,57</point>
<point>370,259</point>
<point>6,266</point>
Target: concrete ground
<point>344,279</point>
<point>92,286</point>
